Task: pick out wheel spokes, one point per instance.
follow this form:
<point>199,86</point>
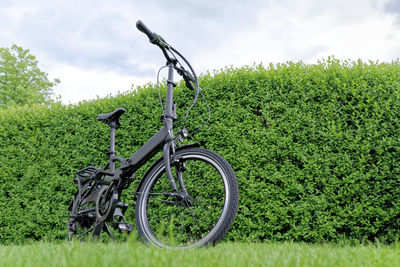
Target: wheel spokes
<point>198,180</point>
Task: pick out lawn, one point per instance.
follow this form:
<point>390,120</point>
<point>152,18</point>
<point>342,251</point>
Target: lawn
<point>134,253</point>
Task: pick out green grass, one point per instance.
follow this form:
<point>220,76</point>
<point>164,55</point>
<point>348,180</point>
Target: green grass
<point>225,254</point>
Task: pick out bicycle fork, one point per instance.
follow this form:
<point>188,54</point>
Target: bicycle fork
<point>169,116</point>
<point>179,168</point>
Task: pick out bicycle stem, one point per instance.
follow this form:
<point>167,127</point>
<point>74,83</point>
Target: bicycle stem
<point>170,109</point>
<point>169,117</point>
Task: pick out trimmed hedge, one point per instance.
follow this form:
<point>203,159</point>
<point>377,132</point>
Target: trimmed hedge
<point>316,149</point>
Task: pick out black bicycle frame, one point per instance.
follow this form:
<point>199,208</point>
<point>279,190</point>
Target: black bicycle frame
<point>163,139</point>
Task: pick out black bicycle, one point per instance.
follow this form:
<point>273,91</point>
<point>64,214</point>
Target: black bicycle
<point>187,198</point>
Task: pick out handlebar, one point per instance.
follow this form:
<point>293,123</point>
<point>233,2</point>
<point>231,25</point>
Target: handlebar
<point>189,76</point>
<point>156,39</point>
<point>143,28</point>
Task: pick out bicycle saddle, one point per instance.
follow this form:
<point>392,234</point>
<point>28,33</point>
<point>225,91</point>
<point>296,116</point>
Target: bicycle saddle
<point>112,116</point>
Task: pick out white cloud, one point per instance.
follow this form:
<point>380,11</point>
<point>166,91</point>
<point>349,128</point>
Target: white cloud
<point>308,31</point>
<point>80,84</point>
<point>95,49</point>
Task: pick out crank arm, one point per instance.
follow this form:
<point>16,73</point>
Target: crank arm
<point>86,211</point>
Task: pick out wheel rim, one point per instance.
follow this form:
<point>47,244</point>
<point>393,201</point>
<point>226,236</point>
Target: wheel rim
<point>180,224</point>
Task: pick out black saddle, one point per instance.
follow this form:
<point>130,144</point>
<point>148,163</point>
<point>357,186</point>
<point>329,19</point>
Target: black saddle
<point>112,116</point>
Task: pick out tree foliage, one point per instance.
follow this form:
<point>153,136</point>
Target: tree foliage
<point>21,80</point>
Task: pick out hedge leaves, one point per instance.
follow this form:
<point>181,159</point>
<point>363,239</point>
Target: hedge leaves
<point>316,149</point>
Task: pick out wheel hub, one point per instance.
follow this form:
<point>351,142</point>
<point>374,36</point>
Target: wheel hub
<point>184,200</point>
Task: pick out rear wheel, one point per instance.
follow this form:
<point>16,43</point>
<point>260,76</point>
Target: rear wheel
<point>201,216</point>
<point>97,214</point>
<point>83,224</point>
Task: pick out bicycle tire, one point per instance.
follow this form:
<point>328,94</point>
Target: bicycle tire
<point>199,227</point>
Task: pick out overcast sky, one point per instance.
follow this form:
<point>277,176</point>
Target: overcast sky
<point>93,46</point>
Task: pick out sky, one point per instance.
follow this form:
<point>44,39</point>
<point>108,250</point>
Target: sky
<point>94,48</point>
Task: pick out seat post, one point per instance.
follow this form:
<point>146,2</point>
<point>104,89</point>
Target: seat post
<point>113,120</point>
<point>111,153</point>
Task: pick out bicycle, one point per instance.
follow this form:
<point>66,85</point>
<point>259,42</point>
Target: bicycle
<point>187,198</point>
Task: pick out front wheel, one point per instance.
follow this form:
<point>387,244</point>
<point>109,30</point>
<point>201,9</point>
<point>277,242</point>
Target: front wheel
<point>201,213</point>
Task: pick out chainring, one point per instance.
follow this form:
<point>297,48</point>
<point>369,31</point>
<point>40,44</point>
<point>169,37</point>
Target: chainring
<point>106,203</point>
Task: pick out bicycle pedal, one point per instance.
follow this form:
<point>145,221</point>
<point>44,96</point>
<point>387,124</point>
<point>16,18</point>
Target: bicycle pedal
<point>125,227</point>
<point>122,205</point>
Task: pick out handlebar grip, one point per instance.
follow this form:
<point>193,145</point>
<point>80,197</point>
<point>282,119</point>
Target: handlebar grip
<point>143,28</point>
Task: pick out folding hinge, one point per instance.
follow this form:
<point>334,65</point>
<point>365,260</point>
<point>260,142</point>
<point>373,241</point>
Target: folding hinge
<point>172,82</point>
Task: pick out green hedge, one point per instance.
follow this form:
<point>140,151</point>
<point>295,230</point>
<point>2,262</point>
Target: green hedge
<point>316,149</point>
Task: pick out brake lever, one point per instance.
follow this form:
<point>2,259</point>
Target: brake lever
<point>189,85</point>
<point>161,41</point>
<point>190,76</point>
<point>187,76</point>
<point>189,79</point>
